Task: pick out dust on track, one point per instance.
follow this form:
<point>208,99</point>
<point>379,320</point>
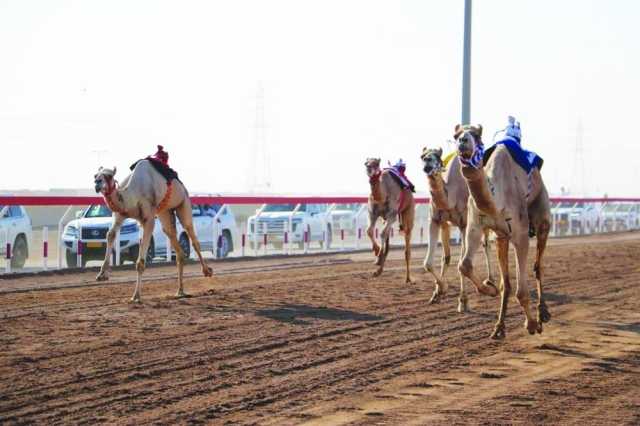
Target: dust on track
<point>316,340</point>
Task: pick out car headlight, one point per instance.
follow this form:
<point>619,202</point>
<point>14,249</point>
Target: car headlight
<point>129,228</point>
<point>72,232</point>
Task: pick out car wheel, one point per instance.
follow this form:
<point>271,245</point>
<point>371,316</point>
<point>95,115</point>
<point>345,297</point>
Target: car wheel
<point>20,252</point>
<point>72,259</point>
<point>225,246</point>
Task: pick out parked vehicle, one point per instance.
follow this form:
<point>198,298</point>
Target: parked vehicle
<point>619,216</point>
<point>273,220</point>
<point>349,217</point>
<point>95,221</point>
<point>15,228</point>
<point>576,216</point>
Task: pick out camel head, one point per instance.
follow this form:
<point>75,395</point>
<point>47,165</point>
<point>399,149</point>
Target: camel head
<point>373,166</point>
<point>469,138</point>
<point>431,160</point>
<point>104,182</point>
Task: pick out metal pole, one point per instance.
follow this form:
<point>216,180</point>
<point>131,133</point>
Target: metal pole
<point>466,65</point>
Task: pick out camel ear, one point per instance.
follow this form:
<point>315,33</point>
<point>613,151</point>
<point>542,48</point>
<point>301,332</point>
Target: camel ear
<point>99,169</point>
<point>424,151</point>
<point>439,151</point>
<point>479,129</point>
<point>114,170</point>
<point>457,131</point>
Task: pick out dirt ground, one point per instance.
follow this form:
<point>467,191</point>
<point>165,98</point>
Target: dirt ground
<point>318,341</point>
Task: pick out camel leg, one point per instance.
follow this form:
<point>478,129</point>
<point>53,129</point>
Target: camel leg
<point>105,269</point>
<point>542,233</point>
<point>462,298</point>
<point>428,262</point>
<point>184,215</point>
<point>505,287</point>
<point>521,244</point>
<point>486,245</point>
<point>465,266</point>
<point>407,219</point>
<point>168,221</point>
<point>370,234</point>
<point>384,240</point>
<point>147,233</point>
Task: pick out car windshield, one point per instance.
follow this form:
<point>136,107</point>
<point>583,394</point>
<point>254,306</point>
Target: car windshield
<point>351,206</point>
<point>280,207</point>
<point>98,211</point>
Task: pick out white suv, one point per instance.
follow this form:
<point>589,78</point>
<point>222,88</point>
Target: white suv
<point>349,217</point>
<point>96,220</point>
<point>273,220</point>
<point>15,224</point>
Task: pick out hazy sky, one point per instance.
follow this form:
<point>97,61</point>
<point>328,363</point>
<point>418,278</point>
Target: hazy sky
<point>90,82</point>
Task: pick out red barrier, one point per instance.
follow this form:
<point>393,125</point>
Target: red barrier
<point>33,200</point>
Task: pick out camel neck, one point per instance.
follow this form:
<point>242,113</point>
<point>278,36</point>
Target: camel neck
<point>479,189</point>
<point>115,201</point>
<point>376,194</point>
<point>438,191</point>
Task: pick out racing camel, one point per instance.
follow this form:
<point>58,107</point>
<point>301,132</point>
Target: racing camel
<point>389,200</point>
<point>143,195</point>
<point>499,201</point>
<point>449,196</point>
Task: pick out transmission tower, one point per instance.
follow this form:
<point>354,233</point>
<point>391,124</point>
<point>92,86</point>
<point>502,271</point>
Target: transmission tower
<point>260,162</point>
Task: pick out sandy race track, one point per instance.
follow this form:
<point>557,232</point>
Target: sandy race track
<point>315,340</point>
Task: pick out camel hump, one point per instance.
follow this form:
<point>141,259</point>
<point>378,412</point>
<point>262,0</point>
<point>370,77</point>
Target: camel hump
<point>167,172</point>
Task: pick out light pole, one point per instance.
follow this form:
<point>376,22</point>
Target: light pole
<point>466,65</point>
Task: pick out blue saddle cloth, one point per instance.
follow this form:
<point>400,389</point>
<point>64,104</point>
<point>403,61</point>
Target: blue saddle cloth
<point>525,159</point>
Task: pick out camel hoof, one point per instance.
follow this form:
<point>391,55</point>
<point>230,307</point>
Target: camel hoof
<point>135,301</point>
<point>498,332</point>
<point>208,272</point>
<point>532,326</point>
<point>489,289</point>
<point>182,295</point>
<point>462,305</point>
<point>409,281</point>
<point>102,277</point>
<point>435,297</point>
<point>377,273</point>
<point>543,313</point>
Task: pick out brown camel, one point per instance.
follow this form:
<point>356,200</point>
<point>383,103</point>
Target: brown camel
<point>388,200</point>
<point>143,195</point>
<point>449,196</point>
<point>499,202</point>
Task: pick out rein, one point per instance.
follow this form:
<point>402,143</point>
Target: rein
<point>112,186</point>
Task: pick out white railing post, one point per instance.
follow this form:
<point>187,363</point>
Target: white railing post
<point>118,251</point>
<point>265,230</point>
<point>243,240</point>
<point>290,229</point>
<point>306,235</point>
<point>326,220</point>
<point>169,251</point>
<point>256,225</point>
<point>615,217</point>
<point>358,231</point>
<point>45,247</point>
<point>215,228</point>
<point>61,247</point>
<point>7,257</point>
<point>80,248</point>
